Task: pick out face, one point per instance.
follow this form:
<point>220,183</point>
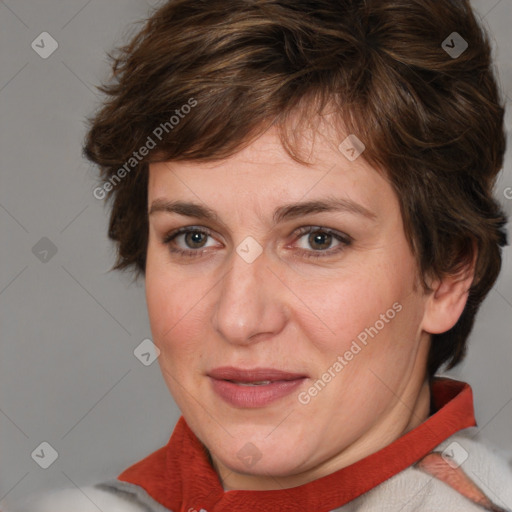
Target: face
<point>290,331</point>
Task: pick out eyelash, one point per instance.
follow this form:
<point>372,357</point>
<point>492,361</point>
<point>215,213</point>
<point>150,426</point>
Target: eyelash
<point>345,240</point>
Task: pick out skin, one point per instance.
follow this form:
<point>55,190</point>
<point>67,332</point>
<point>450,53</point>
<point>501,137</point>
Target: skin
<point>291,312</point>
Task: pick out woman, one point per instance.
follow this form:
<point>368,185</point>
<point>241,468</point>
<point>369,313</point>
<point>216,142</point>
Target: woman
<point>306,188</point>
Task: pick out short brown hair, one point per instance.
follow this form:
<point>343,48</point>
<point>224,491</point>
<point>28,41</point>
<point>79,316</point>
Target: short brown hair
<point>434,120</point>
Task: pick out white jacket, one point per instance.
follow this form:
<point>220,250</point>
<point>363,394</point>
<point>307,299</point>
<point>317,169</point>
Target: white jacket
<point>412,490</point>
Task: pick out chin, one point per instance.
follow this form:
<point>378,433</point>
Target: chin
<point>259,456</point>
<point>275,466</point>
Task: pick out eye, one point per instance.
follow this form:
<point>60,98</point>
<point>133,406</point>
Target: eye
<point>193,241</point>
<point>320,239</point>
<point>193,238</point>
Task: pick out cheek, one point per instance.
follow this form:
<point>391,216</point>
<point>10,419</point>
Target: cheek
<point>173,334</point>
<point>345,306</point>
<point>374,306</point>
<point>158,300</point>
<point>169,302</point>
<point>172,314</point>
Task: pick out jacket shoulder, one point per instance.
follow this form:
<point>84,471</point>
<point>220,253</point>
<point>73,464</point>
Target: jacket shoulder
<point>416,490</point>
<point>112,496</point>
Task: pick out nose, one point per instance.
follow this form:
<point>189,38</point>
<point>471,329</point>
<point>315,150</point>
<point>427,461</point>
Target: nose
<point>251,303</point>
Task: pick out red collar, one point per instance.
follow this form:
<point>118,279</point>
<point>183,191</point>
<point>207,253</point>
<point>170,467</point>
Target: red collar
<point>180,477</point>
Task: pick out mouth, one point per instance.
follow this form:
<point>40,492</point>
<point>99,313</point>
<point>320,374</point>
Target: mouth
<point>253,388</point>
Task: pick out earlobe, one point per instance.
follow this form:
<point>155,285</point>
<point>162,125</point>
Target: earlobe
<point>447,300</point>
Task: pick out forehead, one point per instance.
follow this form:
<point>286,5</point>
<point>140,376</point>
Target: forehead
<point>264,174</point>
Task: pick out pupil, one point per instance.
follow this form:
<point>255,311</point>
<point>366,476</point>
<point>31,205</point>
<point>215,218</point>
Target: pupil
<point>193,237</point>
<point>316,238</point>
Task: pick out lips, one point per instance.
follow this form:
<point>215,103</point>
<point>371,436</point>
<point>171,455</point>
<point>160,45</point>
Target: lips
<point>255,375</point>
<point>253,388</point>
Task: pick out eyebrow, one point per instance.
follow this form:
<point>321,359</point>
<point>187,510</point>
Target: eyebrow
<point>285,212</point>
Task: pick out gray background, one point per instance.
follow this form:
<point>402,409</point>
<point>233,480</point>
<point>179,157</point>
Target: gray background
<point>69,326</point>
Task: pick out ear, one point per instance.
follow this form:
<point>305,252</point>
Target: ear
<point>447,300</point>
